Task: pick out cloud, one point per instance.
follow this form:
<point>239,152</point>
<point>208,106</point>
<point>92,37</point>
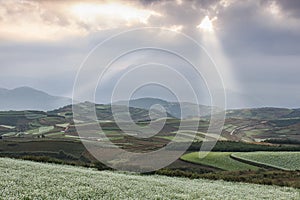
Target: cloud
<point>290,7</point>
<point>53,20</point>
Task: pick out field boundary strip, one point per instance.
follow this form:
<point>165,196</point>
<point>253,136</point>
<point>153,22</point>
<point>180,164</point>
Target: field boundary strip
<point>213,167</point>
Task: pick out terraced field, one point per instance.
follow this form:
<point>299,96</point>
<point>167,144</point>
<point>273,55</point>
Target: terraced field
<point>219,160</point>
<point>280,160</point>
<point>30,180</point>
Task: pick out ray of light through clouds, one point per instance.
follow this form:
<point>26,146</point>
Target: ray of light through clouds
<point>212,44</point>
<point>253,42</point>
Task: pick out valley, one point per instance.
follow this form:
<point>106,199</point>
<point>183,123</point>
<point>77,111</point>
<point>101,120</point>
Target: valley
<point>51,136</point>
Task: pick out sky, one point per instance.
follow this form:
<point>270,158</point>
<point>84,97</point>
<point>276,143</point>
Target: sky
<point>254,45</point>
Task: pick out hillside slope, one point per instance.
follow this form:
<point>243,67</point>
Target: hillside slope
<point>30,180</point>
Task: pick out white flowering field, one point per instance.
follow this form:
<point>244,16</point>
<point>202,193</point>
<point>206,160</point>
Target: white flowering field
<point>280,160</point>
<point>30,180</point>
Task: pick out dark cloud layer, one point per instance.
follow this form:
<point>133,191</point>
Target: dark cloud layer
<point>290,7</point>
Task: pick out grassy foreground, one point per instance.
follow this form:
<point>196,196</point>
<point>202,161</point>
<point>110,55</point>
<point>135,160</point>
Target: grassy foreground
<point>30,180</point>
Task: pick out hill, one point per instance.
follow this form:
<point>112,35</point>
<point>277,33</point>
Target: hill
<point>265,113</point>
<point>26,98</point>
<point>49,181</point>
<point>174,108</point>
<point>104,112</point>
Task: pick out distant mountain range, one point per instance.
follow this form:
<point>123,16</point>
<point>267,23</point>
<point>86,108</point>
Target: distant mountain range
<point>26,98</point>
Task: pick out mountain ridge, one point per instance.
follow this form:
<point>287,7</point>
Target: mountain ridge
<point>27,98</point>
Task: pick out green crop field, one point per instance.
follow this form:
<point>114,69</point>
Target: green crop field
<point>219,160</point>
<point>30,180</point>
<point>280,160</point>
<point>41,130</point>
